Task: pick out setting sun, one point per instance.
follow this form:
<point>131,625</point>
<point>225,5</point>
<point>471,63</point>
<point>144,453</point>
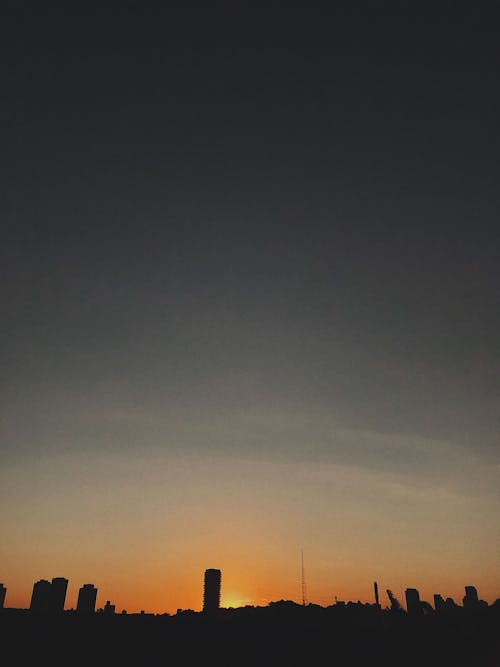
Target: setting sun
<point>235,600</point>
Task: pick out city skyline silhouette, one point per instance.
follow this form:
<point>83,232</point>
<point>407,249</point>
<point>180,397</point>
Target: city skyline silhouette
<point>447,632</point>
<point>50,598</point>
<point>249,306</point>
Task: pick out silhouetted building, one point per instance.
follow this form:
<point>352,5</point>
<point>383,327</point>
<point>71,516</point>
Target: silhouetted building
<point>439,603</point>
<point>3,593</point>
<point>109,608</point>
<point>86,599</point>
<point>211,590</point>
<point>413,605</point>
<point>58,589</point>
<point>471,599</point>
<point>40,597</point>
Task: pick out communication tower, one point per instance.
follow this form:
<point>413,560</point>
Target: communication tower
<point>304,591</point>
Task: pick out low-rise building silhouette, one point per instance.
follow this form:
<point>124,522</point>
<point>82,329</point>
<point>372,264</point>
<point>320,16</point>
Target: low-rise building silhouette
<point>439,603</point>
<point>109,608</point>
<point>211,590</point>
<point>87,596</point>
<point>3,593</point>
<point>471,599</point>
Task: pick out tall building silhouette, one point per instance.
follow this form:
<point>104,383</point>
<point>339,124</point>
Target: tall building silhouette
<point>3,593</point>
<point>413,604</point>
<point>40,597</point>
<point>58,589</point>
<point>49,597</point>
<point>86,599</point>
<point>211,590</point>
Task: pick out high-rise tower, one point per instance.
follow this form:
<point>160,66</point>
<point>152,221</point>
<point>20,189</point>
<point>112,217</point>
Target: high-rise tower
<point>40,598</point>
<point>49,597</point>
<point>58,590</point>
<point>86,599</point>
<point>211,590</point>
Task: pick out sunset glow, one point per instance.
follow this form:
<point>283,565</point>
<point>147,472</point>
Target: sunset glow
<point>253,528</point>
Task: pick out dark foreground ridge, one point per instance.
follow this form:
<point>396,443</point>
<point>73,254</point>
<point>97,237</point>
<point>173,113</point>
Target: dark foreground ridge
<point>283,633</point>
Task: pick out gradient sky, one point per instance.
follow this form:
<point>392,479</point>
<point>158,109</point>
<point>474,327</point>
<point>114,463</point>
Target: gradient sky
<point>249,301</point>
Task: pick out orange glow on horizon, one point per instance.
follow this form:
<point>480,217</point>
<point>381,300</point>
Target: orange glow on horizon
<point>145,543</point>
<point>238,590</point>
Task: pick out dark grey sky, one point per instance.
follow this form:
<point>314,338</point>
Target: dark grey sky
<point>201,198</point>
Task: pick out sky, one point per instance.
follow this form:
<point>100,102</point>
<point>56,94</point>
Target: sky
<point>249,301</point>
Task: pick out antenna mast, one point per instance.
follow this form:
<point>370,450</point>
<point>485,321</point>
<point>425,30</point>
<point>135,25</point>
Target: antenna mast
<point>304,593</point>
